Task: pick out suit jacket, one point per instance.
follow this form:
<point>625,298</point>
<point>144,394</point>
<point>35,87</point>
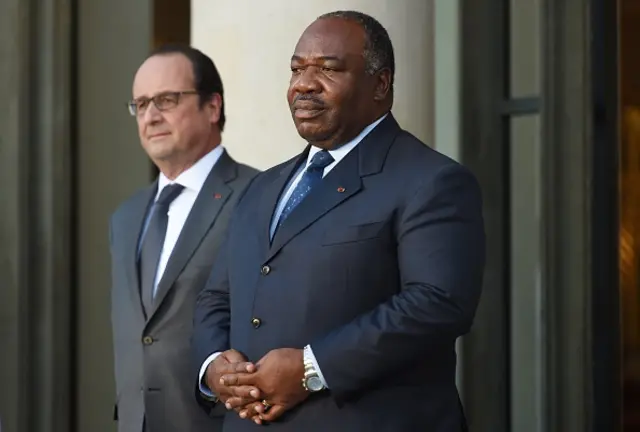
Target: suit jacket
<point>379,268</point>
<point>152,354</point>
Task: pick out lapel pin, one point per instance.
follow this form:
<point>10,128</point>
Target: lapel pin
<point>217,196</point>
<point>341,189</point>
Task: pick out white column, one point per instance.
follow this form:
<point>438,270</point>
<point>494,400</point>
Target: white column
<point>447,79</point>
<point>447,113</point>
<point>251,43</point>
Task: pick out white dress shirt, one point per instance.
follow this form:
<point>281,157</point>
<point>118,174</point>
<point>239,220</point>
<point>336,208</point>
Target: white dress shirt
<point>192,179</point>
<point>337,154</point>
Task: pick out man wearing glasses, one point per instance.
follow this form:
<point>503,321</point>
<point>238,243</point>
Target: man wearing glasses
<point>164,240</point>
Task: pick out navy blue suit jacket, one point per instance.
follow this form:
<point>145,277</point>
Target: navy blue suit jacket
<point>379,268</point>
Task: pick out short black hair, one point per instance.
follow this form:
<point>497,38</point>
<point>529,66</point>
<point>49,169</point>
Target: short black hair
<point>378,51</point>
<point>206,77</point>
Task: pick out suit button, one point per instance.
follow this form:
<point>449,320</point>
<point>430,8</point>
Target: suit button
<point>265,270</point>
<point>147,340</point>
<point>256,322</point>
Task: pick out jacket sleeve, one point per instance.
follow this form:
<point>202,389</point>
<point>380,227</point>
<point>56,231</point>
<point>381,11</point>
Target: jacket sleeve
<point>212,315</point>
<point>211,318</point>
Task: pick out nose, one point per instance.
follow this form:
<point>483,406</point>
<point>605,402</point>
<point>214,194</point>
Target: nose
<point>152,114</point>
<point>306,81</point>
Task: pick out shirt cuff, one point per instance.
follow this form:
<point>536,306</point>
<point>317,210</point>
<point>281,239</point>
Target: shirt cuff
<point>309,356</point>
<point>204,389</point>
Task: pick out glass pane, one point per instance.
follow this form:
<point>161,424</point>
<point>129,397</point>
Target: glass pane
<point>526,310</point>
<point>629,211</point>
<point>630,265</point>
<point>524,51</point>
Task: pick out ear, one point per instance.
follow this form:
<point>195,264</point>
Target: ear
<point>383,84</point>
<point>214,106</point>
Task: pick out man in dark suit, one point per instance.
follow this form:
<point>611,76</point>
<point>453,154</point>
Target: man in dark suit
<point>350,270</point>
<point>164,240</point>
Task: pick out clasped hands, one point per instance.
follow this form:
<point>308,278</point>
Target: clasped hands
<point>243,386</point>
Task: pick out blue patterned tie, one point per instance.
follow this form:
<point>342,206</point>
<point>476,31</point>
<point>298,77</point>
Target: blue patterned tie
<point>311,177</point>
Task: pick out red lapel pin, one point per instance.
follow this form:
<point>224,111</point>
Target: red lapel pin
<point>341,189</point>
<point>217,196</point>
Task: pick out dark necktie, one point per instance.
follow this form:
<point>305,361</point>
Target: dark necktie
<point>153,242</point>
<point>311,177</point>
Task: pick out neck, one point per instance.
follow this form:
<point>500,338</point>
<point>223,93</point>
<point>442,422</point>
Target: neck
<point>172,172</point>
<point>172,168</point>
<point>342,138</point>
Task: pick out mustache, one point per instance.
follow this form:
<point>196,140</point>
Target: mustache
<point>319,103</point>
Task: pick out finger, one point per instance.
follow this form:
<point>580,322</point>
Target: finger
<point>235,402</point>
<point>273,413</point>
<point>248,410</point>
<point>251,410</point>
<point>234,356</point>
<point>242,411</point>
<point>238,379</point>
<point>246,392</point>
<point>238,367</point>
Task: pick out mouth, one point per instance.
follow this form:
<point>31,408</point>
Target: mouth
<point>306,113</point>
<point>159,135</point>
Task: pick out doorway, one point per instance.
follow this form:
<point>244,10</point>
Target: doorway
<point>629,210</point>
<point>171,22</point>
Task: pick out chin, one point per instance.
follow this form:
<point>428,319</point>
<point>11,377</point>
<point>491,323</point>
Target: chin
<point>157,151</point>
<point>312,133</point>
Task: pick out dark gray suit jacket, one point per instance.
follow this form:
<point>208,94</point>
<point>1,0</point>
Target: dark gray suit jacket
<point>379,268</point>
<point>154,378</point>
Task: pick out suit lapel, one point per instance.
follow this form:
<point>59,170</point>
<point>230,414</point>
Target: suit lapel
<point>214,194</point>
<point>137,216</point>
<point>271,197</point>
<point>342,182</point>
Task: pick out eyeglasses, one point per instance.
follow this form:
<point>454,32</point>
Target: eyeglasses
<point>163,101</point>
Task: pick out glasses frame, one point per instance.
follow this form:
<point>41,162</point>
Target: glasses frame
<point>132,105</point>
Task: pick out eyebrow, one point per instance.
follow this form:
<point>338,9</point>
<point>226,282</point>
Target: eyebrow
<point>322,58</point>
<point>164,92</point>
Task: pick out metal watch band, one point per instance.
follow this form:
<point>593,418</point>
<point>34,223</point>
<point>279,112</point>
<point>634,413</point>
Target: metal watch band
<point>309,368</point>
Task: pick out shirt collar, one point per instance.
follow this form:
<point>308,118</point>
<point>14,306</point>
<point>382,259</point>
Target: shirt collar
<point>339,153</point>
<point>194,177</point>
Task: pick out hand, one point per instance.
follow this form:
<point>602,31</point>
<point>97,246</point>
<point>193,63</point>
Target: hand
<point>279,377</point>
<point>231,362</point>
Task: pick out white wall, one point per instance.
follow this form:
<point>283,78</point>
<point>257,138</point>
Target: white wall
<point>447,79</point>
<point>251,43</point>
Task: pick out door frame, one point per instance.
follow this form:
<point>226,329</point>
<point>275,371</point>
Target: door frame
<point>605,310</point>
<point>577,175</point>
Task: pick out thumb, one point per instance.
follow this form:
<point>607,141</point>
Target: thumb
<point>234,356</point>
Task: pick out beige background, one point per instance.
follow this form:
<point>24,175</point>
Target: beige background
<point>252,43</point>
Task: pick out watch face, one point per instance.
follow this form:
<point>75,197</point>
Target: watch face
<point>314,384</point>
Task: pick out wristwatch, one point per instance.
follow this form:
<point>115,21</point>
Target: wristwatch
<point>311,381</point>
